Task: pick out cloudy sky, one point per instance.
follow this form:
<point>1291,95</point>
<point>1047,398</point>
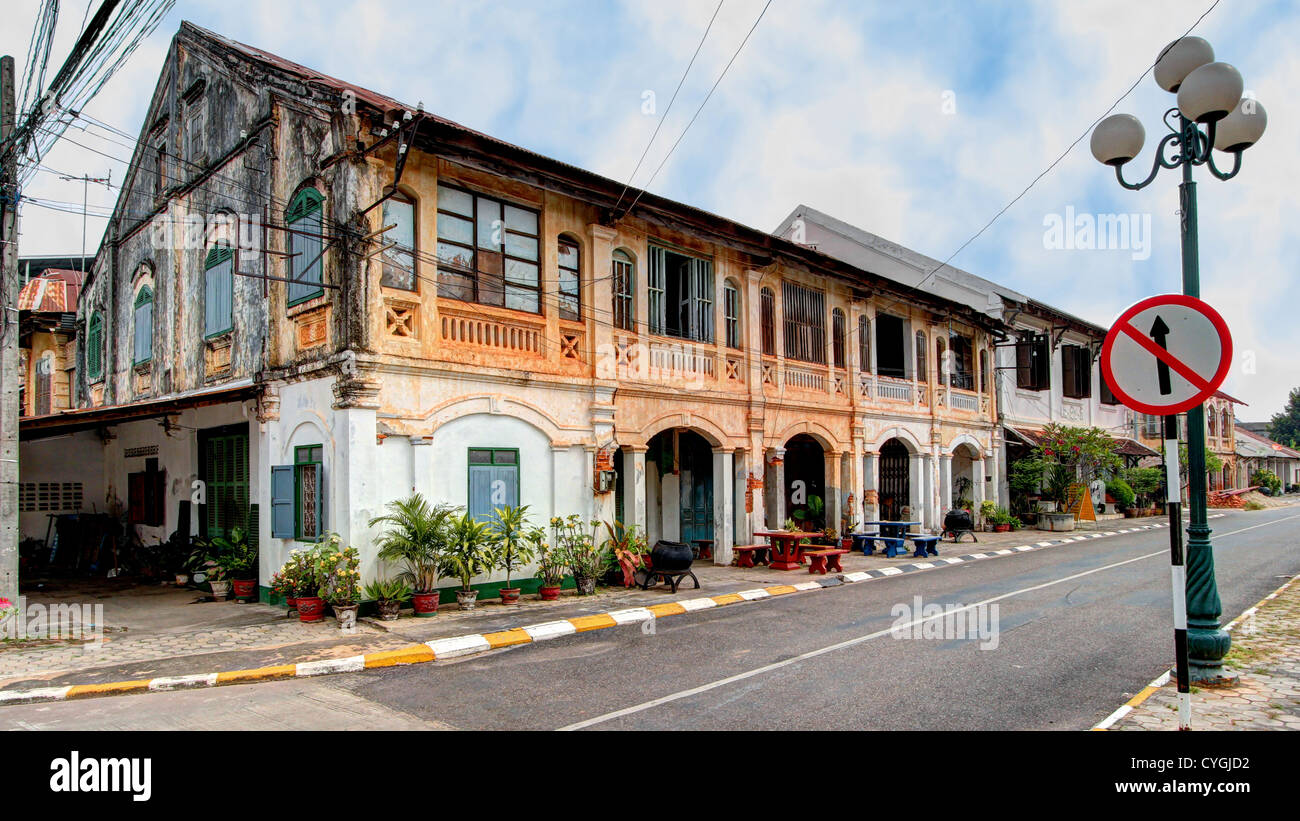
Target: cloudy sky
<point>917,121</point>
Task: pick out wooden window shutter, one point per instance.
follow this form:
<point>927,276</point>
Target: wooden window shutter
<point>282,493</point>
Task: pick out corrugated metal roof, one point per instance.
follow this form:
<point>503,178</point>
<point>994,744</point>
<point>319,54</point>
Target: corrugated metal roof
<point>55,292</point>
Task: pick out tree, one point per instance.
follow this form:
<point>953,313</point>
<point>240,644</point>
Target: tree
<point>1285,426</point>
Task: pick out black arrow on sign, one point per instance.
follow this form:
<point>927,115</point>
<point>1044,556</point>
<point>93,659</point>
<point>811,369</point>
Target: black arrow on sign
<point>1158,332</point>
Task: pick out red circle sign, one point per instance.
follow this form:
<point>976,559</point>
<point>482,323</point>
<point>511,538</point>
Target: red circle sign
<point>1166,354</point>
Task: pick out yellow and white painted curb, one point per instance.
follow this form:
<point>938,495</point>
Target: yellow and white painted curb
<point>1163,679</point>
<point>474,643</point>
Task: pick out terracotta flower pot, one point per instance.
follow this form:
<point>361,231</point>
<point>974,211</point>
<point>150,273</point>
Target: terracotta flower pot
<point>466,599</point>
<point>389,610</point>
<point>425,604</point>
<point>310,608</point>
<point>1001,528</point>
<point>245,589</point>
<point>510,595</point>
<point>346,614</point>
<point>220,590</point>
<point>549,593</point>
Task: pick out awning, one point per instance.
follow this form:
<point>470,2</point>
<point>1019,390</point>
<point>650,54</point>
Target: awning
<point>1124,446</point>
<point>71,421</point>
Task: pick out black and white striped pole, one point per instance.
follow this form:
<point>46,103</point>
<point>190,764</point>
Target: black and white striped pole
<point>1174,504</point>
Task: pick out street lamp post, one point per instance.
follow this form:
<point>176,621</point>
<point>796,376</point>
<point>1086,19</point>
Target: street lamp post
<point>1211,114</point>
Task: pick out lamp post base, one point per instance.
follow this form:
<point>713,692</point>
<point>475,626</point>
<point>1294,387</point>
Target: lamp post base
<point>1206,647</point>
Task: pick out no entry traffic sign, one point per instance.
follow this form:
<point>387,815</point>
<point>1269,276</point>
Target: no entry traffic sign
<point>1166,354</point>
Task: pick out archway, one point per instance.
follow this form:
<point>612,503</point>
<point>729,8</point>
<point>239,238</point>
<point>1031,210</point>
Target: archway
<point>805,482</point>
<point>895,486</point>
<point>963,491</point>
<point>679,486</point>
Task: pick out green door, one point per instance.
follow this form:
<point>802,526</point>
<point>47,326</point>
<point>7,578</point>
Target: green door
<point>696,487</point>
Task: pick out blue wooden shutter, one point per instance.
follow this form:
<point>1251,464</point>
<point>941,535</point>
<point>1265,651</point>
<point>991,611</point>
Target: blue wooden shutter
<point>480,491</point>
<point>282,488</point>
<point>508,475</point>
<point>219,291</point>
<point>143,326</point>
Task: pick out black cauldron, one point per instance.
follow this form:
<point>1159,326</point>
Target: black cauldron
<point>955,520</point>
<point>671,556</point>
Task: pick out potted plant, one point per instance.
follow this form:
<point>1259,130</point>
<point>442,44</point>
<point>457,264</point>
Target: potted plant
<point>388,595</point>
<point>467,555</point>
<point>808,515</point>
<point>416,538</point>
<point>629,548</point>
<point>1002,520</point>
<point>790,526</point>
<point>988,510</point>
<point>205,566</point>
<point>514,542</point>
<point>588,560</point>
<point>238,555</point>
<point>551,564</point>
<point>342,576</point>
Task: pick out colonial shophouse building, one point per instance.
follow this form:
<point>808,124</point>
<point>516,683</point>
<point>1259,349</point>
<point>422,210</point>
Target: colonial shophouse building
<point>1044,366</point>
<point>381,301</point>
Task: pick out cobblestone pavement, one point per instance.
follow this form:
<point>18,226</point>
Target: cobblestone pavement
<point>170,625</point>
<point>1265,655</point>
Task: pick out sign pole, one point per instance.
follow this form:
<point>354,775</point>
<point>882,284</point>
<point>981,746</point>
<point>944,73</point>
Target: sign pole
<point>1178,572</point>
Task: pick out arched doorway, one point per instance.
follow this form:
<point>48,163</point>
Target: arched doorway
<point>895,480</point>
<point>805,482</point>
<point>963,492</point>
<point>680,487</point>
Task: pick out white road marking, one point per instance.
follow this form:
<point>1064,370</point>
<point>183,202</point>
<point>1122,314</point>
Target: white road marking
<point>704,688</point>
<point>767,668</point>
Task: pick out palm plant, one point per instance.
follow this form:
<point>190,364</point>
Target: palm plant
<point>515,542</point>
<point>417,536</point>
<point>467,554</point>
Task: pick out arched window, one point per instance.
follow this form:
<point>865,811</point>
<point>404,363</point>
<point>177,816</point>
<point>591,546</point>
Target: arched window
<point>305,219</point>
<point>143,348</point>
<point>921,371</point>
<point>767,311</point>
<point>218,291</point>
<point>624,272</point>
<point>44,400</point>
<point>570,279</point>
<point>731,312</point>
<point>95,347</point>
<point>399,261</point>
<point>864,344</point>
<point>839,329</point>
<point>1225,430</point>
<point>1212,421</point>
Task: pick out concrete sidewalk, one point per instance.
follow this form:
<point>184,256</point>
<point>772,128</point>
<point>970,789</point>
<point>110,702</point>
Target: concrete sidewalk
<point>192,636</point>
<point>1265,655</point>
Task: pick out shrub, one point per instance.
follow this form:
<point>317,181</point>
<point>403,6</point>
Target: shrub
<point>1122,492</point>
<point>1268,479</point>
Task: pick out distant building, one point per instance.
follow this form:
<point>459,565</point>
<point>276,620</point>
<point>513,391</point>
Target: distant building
<point>1257,452</point>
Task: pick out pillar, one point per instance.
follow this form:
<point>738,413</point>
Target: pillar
<point>945,482</point>
<point>724,518</point>
<point>777,489</point>
<point>870,486</point>
<point>834,500</point>
<point>977,479</point>
<point>741,496</point>
<point>634,510</point>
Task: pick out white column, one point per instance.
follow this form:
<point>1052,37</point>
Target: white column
<point>918,486</point>
<point>724,511</point>
<point>777,489</point>
<point>977,479</point>
<point>834,501</point>
<point>870,486</point>
<point>741,496</point>
<point>634,488</point>
<point>945,482</point>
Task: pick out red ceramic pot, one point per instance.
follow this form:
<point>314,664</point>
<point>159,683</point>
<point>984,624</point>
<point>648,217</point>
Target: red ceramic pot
<point>425,605</point>
<point>549,593</point>
<point>311,608</point>
<point>510,595</point>
<point>1002,528</point>
<point>245,589</point>
<point>291,602</point>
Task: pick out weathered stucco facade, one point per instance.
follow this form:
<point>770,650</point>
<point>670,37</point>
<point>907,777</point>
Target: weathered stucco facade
<point>654,364</point>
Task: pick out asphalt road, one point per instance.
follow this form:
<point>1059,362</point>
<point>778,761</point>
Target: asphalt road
<point>1079,629</point>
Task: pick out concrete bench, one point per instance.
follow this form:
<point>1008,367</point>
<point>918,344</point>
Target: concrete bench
<point>820,560</point>
<point>925,545</point>
<point>749,554</point>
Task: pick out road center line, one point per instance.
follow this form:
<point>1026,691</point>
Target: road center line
<point>767,668</point>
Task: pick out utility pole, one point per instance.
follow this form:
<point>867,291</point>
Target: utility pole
<point>86,180</point>
<point>9,375</point>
